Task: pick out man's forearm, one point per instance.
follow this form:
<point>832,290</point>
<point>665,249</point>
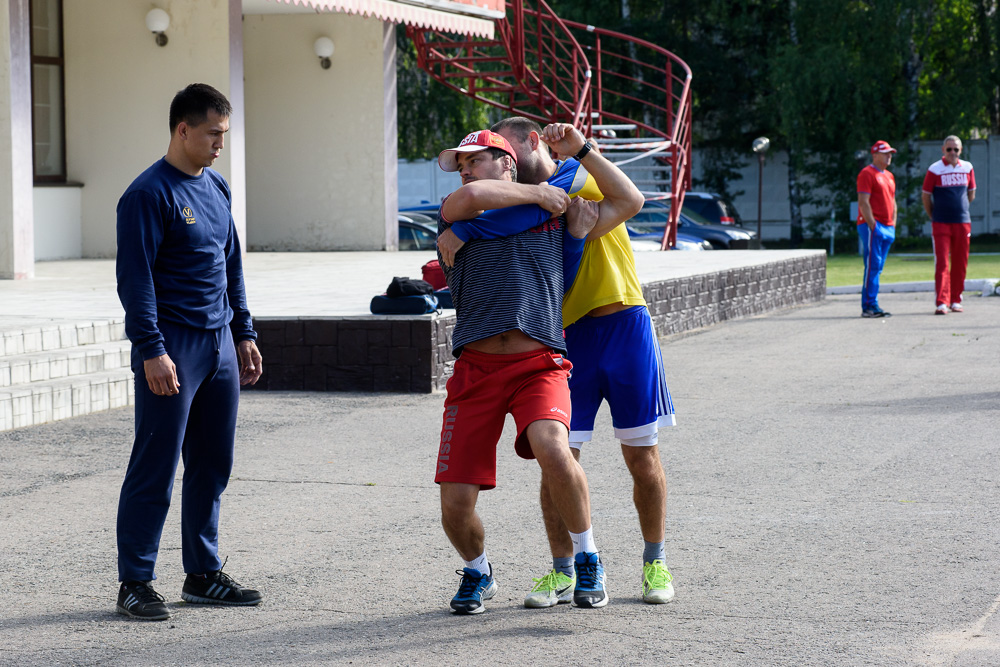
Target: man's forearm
<point>470,200</point>
<point>866,211</point>
<point>928,206</point>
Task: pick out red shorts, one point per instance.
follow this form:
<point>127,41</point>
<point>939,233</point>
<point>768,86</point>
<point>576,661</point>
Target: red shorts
<point>485,387</point>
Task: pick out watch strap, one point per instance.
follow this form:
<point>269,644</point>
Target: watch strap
<point>587,147</point>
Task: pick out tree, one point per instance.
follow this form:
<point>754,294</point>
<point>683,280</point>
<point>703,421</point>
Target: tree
<point>431,116</point>
<point>823,79</point>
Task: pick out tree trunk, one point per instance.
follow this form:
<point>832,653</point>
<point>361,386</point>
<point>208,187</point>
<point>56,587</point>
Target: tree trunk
<point>794,192</point>
<point>911,72</point>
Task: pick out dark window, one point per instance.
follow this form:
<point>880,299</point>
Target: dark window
<point>47,104</point>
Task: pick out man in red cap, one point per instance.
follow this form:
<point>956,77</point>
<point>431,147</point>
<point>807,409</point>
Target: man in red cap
<point>876,222</point>
<point>507,285</point>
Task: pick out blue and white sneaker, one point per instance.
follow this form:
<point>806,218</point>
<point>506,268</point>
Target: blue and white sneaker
<point>475,588</point>
<point>589,590</point>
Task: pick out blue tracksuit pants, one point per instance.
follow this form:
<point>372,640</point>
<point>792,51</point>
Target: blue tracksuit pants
<point>197,425</point>
<point>875,244</point>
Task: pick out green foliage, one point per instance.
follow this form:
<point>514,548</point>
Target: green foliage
<point>822,79</point>
<point>848,268</point>
<point>960,72</point>
<point>431,116</point>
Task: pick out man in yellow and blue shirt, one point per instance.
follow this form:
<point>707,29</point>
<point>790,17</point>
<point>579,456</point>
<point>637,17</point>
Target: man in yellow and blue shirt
<point>616,357</point>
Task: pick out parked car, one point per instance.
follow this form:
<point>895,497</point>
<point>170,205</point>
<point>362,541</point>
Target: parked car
<point>644,240</point>
<point>653,218</point>
<point>416,232</point>
<point>714,208</point>
<point>419,221</point>
<point>425,209</point>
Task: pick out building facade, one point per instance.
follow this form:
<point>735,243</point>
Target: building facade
<point>85,89</point>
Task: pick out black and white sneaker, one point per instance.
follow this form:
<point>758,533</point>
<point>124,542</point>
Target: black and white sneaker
<point>138,600</point>
<point>218,588</point>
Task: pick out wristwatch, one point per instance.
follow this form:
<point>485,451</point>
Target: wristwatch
<point>587,147</point>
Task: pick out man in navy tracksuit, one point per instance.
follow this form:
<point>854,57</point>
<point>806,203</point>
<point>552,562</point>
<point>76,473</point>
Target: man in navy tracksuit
<point>180,280</point>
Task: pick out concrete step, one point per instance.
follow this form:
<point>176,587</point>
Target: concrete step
<point>32,338</point>
<point>59,369</point>
<point>38,403</point>
<point>22,369</point>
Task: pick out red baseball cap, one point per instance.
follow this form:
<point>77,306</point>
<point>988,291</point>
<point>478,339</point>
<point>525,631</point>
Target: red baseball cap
<point>473,143</point>
<point>882,147</point>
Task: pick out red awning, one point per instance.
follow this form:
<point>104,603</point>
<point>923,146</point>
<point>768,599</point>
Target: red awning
<point>421,16</point>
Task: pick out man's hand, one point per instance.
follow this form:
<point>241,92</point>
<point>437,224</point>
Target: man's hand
<point>581,217</point>
<point>563,138</point>
<point>553,199</point>
<point>250,362</point>
<point>161,375</point>
<point>449,244</point>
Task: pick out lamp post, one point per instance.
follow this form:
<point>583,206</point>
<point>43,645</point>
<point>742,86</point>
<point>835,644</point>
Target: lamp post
<point>760,146</point>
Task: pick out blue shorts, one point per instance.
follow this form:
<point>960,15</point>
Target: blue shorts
<point>617,358</point>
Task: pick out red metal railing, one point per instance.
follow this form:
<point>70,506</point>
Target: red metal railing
<point>552,70</point>
<point>639,83</point>
<point>534,67</point>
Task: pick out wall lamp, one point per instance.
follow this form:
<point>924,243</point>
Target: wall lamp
<point>324,49</point>
<point>157,21</point>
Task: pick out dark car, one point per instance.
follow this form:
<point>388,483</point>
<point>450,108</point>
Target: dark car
<point>653,218</point>
<point>417,232</point>
<point>644,240</point>
<point>426,209</point>
<point>714,208</point>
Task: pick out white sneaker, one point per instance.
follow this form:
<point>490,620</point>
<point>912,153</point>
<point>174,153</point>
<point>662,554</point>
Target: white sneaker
<point>956,308</point>
<point>941,310</point>
<point>656,583</point>
<point>552,589</point>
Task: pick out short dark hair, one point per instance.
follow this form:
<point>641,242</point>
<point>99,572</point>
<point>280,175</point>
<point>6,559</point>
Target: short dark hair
<point>192,105</point>
<point>520,126</point>
<point>497,153</point>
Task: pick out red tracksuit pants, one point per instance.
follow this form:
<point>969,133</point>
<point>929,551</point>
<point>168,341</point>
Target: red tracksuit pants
<point>951,258</point>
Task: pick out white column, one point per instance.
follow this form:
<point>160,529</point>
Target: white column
<point>390,130</point>
<point>236,141</point>
<point>17,237</point>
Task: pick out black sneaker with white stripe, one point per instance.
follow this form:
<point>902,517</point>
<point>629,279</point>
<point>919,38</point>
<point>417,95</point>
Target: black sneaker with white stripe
<point>138,600</point>
<point>218,588</point>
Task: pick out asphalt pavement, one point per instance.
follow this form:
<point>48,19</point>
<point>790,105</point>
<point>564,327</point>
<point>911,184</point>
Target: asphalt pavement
<point>833,501</point>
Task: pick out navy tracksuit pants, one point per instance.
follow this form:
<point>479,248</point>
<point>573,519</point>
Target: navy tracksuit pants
<point>197,425</point>
<point>875,244</point>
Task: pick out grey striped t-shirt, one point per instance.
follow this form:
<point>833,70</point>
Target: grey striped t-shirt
<point>514,282</point>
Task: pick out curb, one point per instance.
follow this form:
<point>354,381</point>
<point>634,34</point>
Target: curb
<point>986,287</point>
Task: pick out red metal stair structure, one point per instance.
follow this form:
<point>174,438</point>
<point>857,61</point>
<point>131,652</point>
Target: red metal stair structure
<point>605,83</point>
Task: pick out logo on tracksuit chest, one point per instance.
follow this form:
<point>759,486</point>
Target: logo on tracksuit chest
<point>188,215</point>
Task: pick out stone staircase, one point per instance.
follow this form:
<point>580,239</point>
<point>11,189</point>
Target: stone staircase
<point>58,370</point>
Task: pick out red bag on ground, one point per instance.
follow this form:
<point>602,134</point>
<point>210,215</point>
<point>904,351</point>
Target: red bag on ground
<point>434,275</point>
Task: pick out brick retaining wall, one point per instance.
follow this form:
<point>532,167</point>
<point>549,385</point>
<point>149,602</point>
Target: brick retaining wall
<point>412,353</point>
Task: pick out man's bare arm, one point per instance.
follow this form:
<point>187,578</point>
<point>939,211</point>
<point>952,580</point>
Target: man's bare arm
<point>865,206</point>
<point>622,199</point>
<point>928,208</point>
<point>470,200</point>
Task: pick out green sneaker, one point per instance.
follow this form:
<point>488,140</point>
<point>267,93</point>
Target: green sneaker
<point>552,589</point>
<point>656,586</point>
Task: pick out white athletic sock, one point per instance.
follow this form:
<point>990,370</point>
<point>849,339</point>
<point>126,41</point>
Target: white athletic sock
<point>482,564</point>
<point>584,541</point>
